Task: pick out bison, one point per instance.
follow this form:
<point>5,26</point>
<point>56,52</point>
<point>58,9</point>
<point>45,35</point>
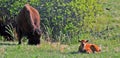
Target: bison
<point>86,47</point>
<point>28,24</point>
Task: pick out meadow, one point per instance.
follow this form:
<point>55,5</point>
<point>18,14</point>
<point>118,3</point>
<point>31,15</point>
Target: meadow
<point>110,45</point>
<point>110,49</point>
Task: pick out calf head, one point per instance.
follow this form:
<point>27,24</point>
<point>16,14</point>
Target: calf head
<point>82,45</point>
<point>83,42</point>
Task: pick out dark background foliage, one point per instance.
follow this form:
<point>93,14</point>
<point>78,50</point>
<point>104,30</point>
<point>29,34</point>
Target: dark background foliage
<point>66,20</point>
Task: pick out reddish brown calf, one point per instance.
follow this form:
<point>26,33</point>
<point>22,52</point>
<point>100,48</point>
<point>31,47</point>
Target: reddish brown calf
<point>87,47</point>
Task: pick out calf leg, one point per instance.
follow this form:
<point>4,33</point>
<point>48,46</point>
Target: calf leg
<point>81,50</point>
<point>89,51</point>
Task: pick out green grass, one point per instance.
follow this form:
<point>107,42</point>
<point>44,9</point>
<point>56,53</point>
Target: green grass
<point>110,49</point>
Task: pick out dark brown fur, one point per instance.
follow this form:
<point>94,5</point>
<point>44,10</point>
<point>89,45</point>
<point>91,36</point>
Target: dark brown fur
<point>28,24</point>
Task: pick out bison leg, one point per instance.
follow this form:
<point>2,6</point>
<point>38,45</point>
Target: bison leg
<point>30,41</point>
<point>19,39</point>
<point>19,35</point>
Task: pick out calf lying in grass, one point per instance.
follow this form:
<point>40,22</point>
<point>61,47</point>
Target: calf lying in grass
<point>86,47</point>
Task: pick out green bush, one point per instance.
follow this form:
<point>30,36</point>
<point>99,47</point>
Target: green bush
<point>65,20</point>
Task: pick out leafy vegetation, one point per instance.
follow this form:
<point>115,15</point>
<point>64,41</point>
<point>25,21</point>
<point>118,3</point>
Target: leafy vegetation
<point>67,21</point>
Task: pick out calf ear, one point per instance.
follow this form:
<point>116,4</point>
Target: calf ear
<point>79,41</point>
<point>87,40</point>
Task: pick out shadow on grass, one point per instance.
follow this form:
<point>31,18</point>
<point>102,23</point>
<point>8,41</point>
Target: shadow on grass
<point>76,52</point>
<point>7,43</point>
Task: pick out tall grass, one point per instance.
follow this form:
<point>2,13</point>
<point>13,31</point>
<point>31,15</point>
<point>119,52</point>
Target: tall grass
<point>10,30</point>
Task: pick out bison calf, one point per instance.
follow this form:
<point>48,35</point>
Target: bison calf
<point>86,47</point>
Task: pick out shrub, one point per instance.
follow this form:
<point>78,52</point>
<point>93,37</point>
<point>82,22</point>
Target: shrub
<point>62,20</point>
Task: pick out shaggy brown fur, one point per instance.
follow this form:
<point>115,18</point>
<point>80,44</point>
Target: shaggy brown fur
<point>28,24</point>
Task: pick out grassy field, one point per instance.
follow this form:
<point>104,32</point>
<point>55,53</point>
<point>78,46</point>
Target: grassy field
<point>110,47</point>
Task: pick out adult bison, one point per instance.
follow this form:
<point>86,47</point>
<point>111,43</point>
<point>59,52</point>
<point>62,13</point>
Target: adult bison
<point>28,24</point>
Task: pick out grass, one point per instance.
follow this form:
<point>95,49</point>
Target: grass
<point>110,49</point>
